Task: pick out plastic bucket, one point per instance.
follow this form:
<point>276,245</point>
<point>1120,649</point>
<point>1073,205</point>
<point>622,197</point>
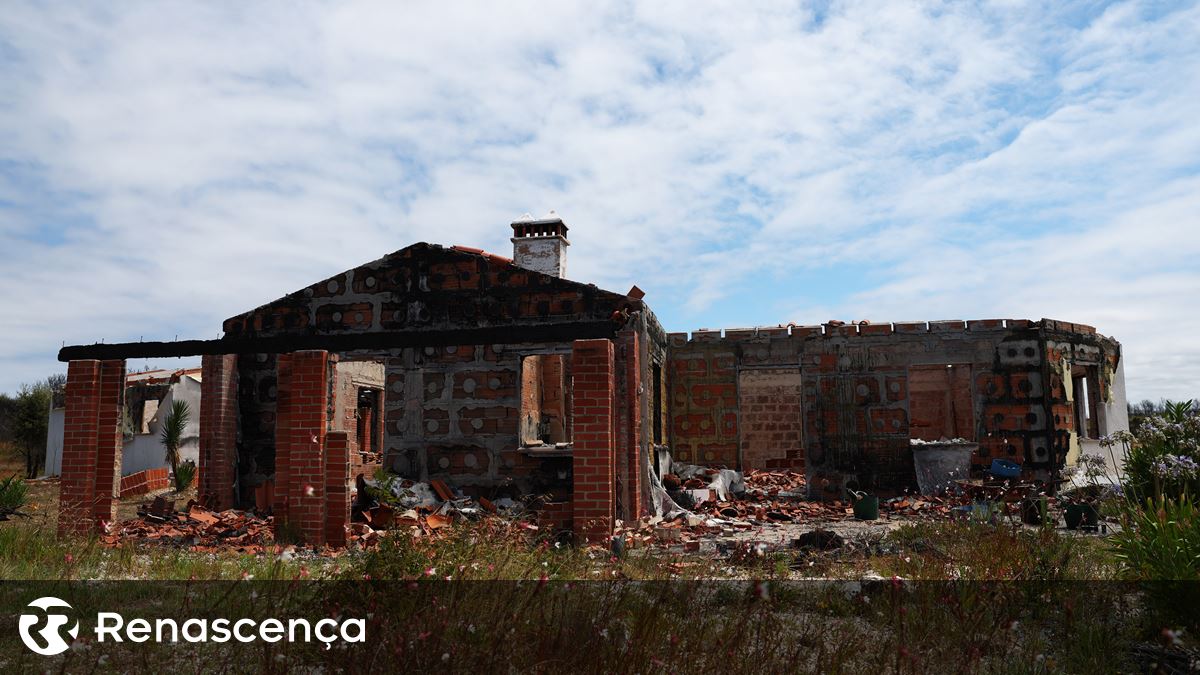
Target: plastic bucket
<point>866,507</point>
<point>938,465</point>
<point>1002,468</point>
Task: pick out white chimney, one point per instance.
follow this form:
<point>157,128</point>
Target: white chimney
<point>541,244</point>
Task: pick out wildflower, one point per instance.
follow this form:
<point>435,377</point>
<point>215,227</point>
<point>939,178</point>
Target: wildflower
<point>309,490</point>
<point>471,628</point>
<point>1174,637</point>
<point>430,571</point>
<point>246,576</point>
<point>68,558</point>
<point>445,656</point>
<point>303,572</point>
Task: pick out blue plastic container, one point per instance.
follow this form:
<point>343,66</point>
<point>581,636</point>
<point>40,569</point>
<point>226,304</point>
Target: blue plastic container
<point>1002,468</point>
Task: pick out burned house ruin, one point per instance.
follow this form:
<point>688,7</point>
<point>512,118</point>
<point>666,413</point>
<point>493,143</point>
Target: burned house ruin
<point>502,377</point>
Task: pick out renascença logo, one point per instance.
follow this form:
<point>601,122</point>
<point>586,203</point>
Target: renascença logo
<point>52,641</point>
<point>111,626</point>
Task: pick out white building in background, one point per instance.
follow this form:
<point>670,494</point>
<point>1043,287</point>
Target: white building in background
<point>148,398</point>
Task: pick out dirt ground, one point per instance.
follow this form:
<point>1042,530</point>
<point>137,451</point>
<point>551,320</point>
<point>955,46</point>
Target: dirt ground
<point>41,509</point>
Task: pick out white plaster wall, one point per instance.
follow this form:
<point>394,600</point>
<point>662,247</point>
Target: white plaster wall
<point>547,255</point>
<point>144,451</point>
<point>54,441</point>
<point>1114,416</point>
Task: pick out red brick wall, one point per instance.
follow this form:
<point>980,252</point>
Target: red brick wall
<point>860,405</point>
<point>772,421</point>
<point>631,455</point>
<point>144,481</point>
<point>940,402</point>
<point>594,452</point>
<point>704,412</point>
<point>304,386</point>
<point>109,442</point>
<point>218,430</point>
<point>338,449</point>
<point>77,486</point>
<point>91,460</point>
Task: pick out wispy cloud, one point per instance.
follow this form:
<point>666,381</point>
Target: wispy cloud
<point>163,166</point>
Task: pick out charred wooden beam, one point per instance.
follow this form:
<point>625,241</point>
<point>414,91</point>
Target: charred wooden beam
<point>280,344</point>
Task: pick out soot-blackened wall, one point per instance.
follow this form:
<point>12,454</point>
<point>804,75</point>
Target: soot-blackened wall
<point>842,402</point>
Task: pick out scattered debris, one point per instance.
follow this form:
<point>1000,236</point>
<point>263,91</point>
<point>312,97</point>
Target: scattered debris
<point>198,529</point>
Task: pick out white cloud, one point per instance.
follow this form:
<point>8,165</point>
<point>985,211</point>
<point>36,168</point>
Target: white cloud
<point>163,166</point>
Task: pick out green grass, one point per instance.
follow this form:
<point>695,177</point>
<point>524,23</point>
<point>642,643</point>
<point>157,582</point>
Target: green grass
<point>657,613</point>
<point>37,554</point>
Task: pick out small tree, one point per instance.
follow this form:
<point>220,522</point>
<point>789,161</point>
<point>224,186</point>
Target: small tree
<point>172,431</point>
<point>29,424</point>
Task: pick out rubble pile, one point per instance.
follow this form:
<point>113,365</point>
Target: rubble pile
<point>388,505</point>
<point>923,507</point>
<point>197,528</point>
<point>393,503</point>
<point>721,503</point>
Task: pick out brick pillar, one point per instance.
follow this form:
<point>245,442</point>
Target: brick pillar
<point>302,421</point>
<point>90,484</point>
<point>218,430</point>
<point>338,448</point>
<point>593,453</point>
<point>77,485</point>
<point>109,442</point>
<point>630,441</point>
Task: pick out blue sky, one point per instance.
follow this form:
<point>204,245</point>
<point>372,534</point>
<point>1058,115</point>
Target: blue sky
<point>166,165</point>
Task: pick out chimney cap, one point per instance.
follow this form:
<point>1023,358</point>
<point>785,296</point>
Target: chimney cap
<point>549,225</point>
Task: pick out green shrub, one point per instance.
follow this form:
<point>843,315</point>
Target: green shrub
<point>1162,457</point>
<point>13,491</point>
<point>1160,540</point>
<point>1159,545</point>
<point>185,472</point>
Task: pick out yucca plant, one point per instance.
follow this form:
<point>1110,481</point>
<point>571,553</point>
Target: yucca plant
<point>12,495</point>
<point>172,431</point>
<point>184,474</point>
